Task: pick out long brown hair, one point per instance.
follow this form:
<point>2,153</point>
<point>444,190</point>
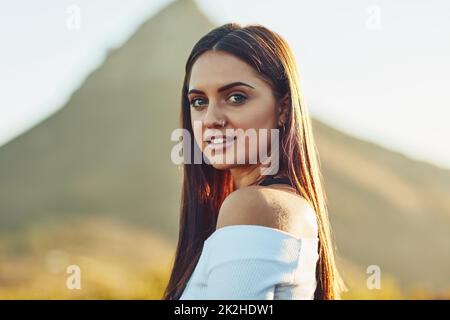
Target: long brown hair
<point>205,188</point>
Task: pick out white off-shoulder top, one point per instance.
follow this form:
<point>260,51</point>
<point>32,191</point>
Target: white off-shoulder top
<point>254,262</point>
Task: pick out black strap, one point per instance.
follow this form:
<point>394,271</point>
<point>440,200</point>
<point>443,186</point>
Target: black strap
<point>272,180</point>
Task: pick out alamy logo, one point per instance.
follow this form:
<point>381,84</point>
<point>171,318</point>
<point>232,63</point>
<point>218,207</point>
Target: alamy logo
<point>234,146</point>
<point>74,279</point>
<point>374,280</point>
<point>73,21</point>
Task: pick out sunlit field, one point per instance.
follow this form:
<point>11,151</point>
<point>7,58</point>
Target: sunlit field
<point>118,261</point>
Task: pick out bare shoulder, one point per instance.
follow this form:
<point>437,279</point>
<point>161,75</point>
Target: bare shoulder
<point>272,207</point>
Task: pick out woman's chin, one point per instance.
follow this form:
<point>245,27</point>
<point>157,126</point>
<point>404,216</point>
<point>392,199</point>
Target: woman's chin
<point>222,166</point>
<point>224,161</point>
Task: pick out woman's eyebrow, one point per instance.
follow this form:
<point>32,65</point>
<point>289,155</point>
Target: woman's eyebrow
<point>223,88</point>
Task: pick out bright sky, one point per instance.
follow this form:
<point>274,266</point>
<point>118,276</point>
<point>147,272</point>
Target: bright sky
<point>377,69</point>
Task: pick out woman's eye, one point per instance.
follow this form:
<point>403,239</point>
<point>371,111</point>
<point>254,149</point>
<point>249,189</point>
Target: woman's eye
<point>234,99</point>
<point>237,98</point>
<point>197,103</point>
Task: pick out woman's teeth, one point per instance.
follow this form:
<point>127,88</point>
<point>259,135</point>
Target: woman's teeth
<point>221,143</point>
<point>217,140</point>
<point>220,140</point>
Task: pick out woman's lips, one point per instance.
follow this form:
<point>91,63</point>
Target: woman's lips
<point>220,144</point>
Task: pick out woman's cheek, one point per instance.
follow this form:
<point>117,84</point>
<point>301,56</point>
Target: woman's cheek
<point>198,134</point>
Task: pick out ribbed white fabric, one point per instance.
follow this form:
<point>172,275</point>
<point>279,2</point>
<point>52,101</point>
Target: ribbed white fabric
<point>253,262</point>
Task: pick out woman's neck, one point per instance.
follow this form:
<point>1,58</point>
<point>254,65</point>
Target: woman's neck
<point>244,176</point>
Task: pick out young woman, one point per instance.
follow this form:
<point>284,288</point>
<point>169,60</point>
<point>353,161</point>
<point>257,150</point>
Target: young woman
<point>246,234</point>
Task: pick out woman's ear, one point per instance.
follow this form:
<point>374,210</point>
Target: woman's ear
<point>284,107</point>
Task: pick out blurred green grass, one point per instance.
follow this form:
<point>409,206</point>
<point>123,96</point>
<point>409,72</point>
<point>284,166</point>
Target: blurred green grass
<point>120,261</point>
<point>117,261</point>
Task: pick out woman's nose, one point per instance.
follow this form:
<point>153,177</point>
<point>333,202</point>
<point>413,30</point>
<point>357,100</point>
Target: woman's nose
<point>214,116</point>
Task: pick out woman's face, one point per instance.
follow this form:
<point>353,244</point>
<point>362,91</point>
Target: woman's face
<point>225,90</point>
